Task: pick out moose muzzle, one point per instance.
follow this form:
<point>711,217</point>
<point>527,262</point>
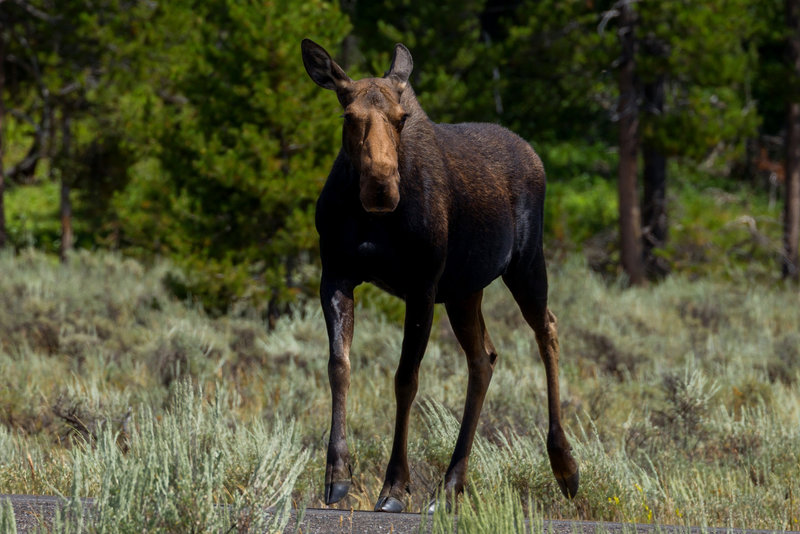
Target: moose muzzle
<point>380,194</point>
<point>380,179</point>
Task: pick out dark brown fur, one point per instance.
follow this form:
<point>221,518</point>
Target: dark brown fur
<point>430,213</point>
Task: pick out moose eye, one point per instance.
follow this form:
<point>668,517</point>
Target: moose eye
<point>402,120</point>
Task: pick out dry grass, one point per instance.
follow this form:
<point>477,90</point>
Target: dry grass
<point>681,398</point>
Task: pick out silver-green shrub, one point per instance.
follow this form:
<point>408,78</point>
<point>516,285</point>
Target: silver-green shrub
<point>194,469</point>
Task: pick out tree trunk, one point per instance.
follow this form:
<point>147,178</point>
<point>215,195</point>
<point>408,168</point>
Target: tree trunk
<point>628,110</point>
<point>654,203</point>
<point>791,211</point>
<point>2,147</point>
<point>66,203</point>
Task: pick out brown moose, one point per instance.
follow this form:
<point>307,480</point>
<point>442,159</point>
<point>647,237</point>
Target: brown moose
<point>430,213</point>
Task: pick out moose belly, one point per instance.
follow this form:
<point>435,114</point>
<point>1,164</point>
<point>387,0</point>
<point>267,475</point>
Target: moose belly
<point>400,272</point>
<point>473,266</point>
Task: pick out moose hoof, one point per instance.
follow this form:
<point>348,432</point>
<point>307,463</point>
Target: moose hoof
<point>389,504</point>
<point>569,485</point>
<point>436,504</point>
<point>336,491</point>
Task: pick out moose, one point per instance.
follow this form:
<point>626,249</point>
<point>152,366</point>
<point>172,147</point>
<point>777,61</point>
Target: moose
<point>431,213</point>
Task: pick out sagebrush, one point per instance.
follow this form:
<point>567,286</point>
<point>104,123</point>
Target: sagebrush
<point>681,398</point>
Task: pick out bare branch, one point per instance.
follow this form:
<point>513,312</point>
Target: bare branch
<point>27,166</point>
<point>33,64</point>
<point>20,62</point>
<point>607,16</point>
<point>614,12</point>
<point>24,117</point>
<point>38,13</point>
<point>69,88</point>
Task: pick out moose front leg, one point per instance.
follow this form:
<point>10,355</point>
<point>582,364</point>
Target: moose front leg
<point>417,329</point>
<point>337,306</point>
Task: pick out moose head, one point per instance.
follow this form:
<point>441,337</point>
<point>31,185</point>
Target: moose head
<point>373,121</point>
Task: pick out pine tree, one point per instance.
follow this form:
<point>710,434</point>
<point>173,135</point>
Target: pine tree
<point>682,72</point>
<point>242,145</point>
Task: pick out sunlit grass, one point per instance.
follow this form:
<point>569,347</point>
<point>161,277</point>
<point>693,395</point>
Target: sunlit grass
<point>193,468</point>
<point>680,399</point>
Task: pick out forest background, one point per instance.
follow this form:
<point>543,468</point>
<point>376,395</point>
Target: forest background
<point>189,130</point>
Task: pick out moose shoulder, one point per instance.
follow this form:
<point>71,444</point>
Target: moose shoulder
<point>430,213</point>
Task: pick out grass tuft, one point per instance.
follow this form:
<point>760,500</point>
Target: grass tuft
<point>8,523</point>
<point>193,469</point>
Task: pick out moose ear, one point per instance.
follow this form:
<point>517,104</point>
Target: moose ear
<point>402,64</point>
<point>322,69</point>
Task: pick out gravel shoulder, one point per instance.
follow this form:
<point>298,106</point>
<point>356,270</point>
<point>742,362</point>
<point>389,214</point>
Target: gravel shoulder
<point>34,510</point>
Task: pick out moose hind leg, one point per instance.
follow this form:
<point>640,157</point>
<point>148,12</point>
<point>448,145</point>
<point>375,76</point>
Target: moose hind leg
<point>470,330</point>
<point>529,287</point>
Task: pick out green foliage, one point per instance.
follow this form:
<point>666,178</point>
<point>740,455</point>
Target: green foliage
<point>718,227</point>
<point>32,211</point>
<point>32,217</point>
<point>712,109</point>
<point>241,154</point>
<point>722,228</point>
<point>62,107</point>
<point>209,145</point>
<point>560,57</point>
<point>774,80</point>
<point>582,209</point>
<point>703,55</point>
<point>556,78</point>
<point>452,54</point>
<point>581,199</point>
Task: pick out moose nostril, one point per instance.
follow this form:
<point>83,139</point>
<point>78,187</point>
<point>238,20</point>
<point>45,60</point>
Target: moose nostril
<point>382,189</point>
<point>379,195</point>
